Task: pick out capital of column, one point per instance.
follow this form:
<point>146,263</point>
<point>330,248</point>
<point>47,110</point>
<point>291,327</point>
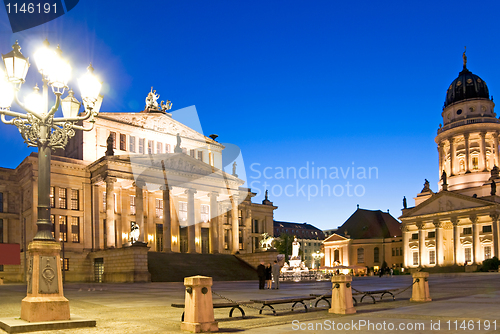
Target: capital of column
<point>473,219</point>
<point>139,184</point>
<point>466,136</point>
<point>190,191</point>
<point>164,187</point>
<point>404,228</point>
<point>437,223</point>
<point>494,217</point>
<point>455,221</point>
<point>213,194</point>
<point>110,179</point>
<point>451,140</point>
<point>420,225</point>
<point>482,134</point>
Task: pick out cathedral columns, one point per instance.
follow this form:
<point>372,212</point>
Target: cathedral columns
<point>406,245</point>
<point>439,241</point>
<point>475,239</point>
<point>167,233</point>
<point>191,221</point>
<point>248,228</point>
<point>495,150</point>
<point>467,156</point>
<point>484,165</point>
<point>496,234</point>
<point>139,209</point>
<point>421,242</point>
<point>456,239</point>
<point>174,229</point>
<point>452,156</point>
<point>235,245</point>
<point>441,156</point>
<point>110,212</point>
<point>214,223</point>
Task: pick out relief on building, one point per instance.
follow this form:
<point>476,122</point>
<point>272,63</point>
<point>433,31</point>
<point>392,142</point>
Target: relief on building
<point>29,277</point>
<point>48,275</point>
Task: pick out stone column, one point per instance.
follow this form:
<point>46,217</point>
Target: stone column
<point>452,155</point>
<point>475,239</point>
<point>110,212</point>
<point>421,242</point>
<point>441,157</point>
<point>495,151</point>
<point>214,223</point>
<point>139,209</point>
<point>235,247</point>
<point>439,242</point>
<point>406,245</point>
<point>191,221</point>
<point>483,166</point>
<point>167,234</point>
<point>175,229</point>
<point>467,155</point>
<point>496,235</point>
<point>95,217</point>
<point>456,239</point>
<point>248,230</point>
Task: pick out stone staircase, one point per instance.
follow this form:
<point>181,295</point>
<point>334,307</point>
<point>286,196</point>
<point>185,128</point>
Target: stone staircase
<point>173,267</point>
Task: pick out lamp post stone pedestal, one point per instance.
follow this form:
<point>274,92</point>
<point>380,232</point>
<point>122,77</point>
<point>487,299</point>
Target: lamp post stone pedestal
<point>45,300</point>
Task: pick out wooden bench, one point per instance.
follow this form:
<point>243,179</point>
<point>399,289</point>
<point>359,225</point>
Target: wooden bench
<point>233,307</point>
<point>284,300</point>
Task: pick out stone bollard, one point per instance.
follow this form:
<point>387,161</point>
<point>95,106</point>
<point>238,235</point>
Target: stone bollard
<point>342,295</point>
<point>199,309</point>
<point>1,280</point>
<point>420,291</point>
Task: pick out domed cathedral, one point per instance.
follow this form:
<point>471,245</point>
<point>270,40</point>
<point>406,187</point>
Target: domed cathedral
<point>458,225</point>
<point>468,139</point>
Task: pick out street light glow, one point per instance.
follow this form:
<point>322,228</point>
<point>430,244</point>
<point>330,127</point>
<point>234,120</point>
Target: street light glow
<point>6,91</point>
<point>89,87</point>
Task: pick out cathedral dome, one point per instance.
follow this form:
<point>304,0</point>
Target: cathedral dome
<point>466,86</point>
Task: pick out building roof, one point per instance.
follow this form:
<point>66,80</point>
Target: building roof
<point>301,230</point>
<point>370,224</point>
<point>466,86</point>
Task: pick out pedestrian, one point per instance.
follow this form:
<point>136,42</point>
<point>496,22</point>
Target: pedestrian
<point>261,272</point>
<point>269,277</point>
<point>276,274</point>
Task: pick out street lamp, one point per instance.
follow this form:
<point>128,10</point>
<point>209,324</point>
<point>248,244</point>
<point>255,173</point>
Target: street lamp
<point>40,128</point>
<point>317,257</point>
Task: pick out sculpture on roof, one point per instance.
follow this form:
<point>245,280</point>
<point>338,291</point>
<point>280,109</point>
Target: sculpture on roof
<point>109,146</point>
<point>151,100</point>
<point>404,202</point>
<point>493,188</point>
<point>167,106</point>
<point>177,148</point>
<point>426,187</point>
<point>234,171</point>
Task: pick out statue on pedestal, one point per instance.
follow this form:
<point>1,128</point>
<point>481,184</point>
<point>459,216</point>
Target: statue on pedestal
<point>295,248</point>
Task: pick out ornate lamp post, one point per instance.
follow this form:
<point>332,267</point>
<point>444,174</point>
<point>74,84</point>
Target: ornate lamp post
<point>40,128</point>
<point>317,257</point>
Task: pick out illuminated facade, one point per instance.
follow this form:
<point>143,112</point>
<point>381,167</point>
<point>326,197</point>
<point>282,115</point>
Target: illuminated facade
<point>459,224</point>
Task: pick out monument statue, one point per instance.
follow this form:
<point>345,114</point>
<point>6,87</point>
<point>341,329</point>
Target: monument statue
<point>295,248</point>
<point>177,148</point>
<point>404,202</point>
<point>495,173</point>
<point>426,187</point>
<point>166,106</point>
<point>151,100</point>
<point>234,169</point>
<point>109,146</point>
<point>444,178</point>
<point>134,232</point>
<point>493,188</point>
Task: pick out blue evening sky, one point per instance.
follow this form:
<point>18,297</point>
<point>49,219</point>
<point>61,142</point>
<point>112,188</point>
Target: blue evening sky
<point>293,83</point>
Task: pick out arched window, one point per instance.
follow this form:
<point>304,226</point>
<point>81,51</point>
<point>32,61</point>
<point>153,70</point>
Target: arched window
<point>376,256</point>
<point>336,255</point>
<point>361,255</point>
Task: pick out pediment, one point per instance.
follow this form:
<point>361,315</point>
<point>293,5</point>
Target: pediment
<point>335,237</point>
<point>445,202</point>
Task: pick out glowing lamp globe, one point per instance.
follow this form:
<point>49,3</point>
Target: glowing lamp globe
<point>60,71</point>
<point>6,92</point>
<point>70,105</point>
<point>44,59</point>
<point>89,87</point>
<point>34,101</point>
<point>16,64</point>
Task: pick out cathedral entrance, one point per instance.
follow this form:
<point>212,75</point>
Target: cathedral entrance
<point>98,269</point>
<point>205,240</point>
<point>184,239</point>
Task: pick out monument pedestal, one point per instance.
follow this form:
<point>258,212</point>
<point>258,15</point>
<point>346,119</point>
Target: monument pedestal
<point>45,300</point>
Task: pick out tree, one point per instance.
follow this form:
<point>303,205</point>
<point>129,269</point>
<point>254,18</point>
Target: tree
<point>283,244</point>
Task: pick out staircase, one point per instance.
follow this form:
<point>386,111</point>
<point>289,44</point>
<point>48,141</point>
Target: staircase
<point>173,267</point>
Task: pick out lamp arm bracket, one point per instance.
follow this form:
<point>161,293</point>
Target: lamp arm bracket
<point>54,107</point>
<point>16,98</point>
<point>13,114</point>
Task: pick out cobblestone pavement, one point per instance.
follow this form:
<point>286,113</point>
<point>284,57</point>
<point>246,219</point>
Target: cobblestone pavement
<point>462,303</point>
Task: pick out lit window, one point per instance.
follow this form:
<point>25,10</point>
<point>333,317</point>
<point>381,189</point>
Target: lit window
<point>183,211</point>
<point>159,208</point>
<point>432,257</point>
<point>205,212</point>
<point>53,222</point>
<point>487,252</point>
<point>361,255</point>
<point>65,264</point>
<point>63,198</point>
<point>52,197</point>
<point>475,163</point>
<point>468,254</point>
<point>63,228</point>
<point>75,229</point>
<point>415,258</point>
<point>113,135</point>
<point>132,204</point>
<point>75,199</point>
<point>240,239</point>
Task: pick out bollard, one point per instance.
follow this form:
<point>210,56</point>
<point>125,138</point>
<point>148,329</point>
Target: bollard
<point>1,280</point>
<point>420,291</point>
<point>342,295</point>
<point>199,309</point>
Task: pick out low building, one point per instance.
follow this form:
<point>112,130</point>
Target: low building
<point>368,238</point>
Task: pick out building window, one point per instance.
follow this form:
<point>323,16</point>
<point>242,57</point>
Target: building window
<point>192,153</point>
<point>432,257</point>
<point>415,258</point>
<point>103,201</point>
<point>200,155</point>
<point>255,227</point>
<point>211,158</point>
<point>468,255</point>
<point>53,222</point>
<point>431,234</point>
<point>159,208</point>
<point>1,202</point>
<point>123,142</point>
<point>462,165</point>
<point>240,239</point>
<point>113,135</point>
<point>487,229</point>
<point>1,267</point>
<point>52,197</point>
<point>167,148</point>
<point>361,255</point>
<point>240,217</point>
<point>75,199</point>
<point>132,204</point>
<point>205,212</point>
<point>151,149</point>
<point>183,211</point>
<point>131,144</point>
<point>159,237</point>
<point>75,229</point>
<point>65,264</point>
<point>1,231</point>
<point>141,145</point>
<point>63,204</point>
<point>475,164</point>
<point>487,252</point>
<point>414,236</point>
<point>115,203</point>
<point>376,255</point>
<point>467,230</point>
<point>226,239</point>
<point>159,148</point>
<point>63,228</point>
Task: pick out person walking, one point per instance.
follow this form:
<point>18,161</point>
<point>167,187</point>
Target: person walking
<point>276,274</point>
<point>261,272</point>
<point>269,277</point>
